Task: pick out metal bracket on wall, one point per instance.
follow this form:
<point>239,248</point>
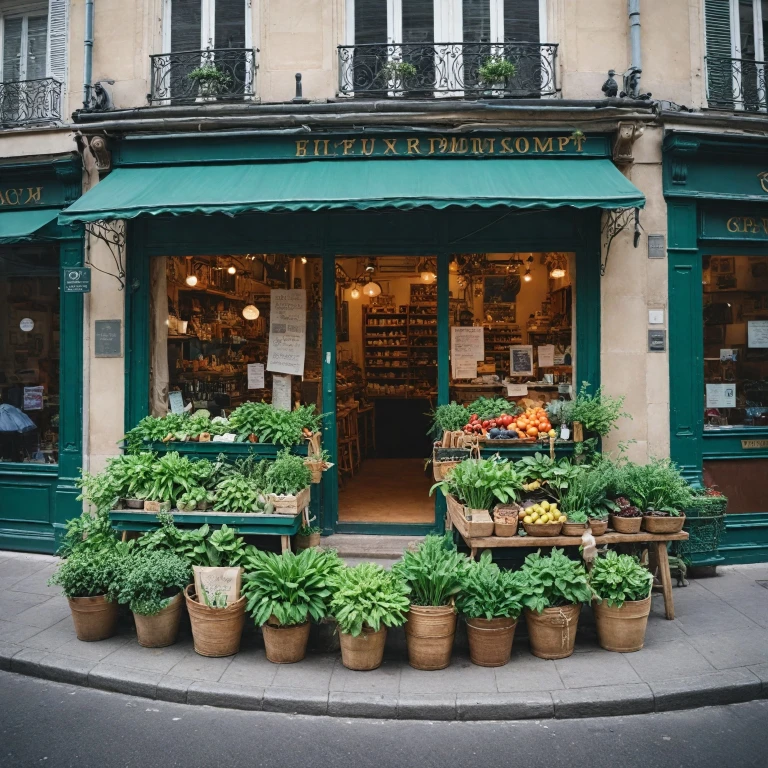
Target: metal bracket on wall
<point>614,223</point>
<point>113,234</point>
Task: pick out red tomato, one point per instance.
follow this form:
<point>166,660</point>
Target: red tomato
<point>485,424</point>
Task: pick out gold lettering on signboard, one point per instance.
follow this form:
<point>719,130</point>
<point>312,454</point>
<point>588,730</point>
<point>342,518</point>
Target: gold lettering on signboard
<point>747,444</point>
<point>33,194</point>
<point>542,146</point>
<point>413,147</point>
<point>763,176</point>
<point>365,149</point>
<point>301,147</point>
<point>391,146</point>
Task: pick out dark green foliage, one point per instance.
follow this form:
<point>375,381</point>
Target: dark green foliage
<point>553,581</point>
<point>487,592</point>
<point>480,483</point>
<point>147,581</point>
<point>656,486</point>
<point>87,573</point>
<point>617,578</point>
<point>287,474</point>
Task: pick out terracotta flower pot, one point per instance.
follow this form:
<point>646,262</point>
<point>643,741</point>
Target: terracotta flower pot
<point>622,629</point>
<point>285,645</point>
<point>429,634</point>
<point>364,652</point>
<point>599,527</point>
<point>626,524</point>
<point>667,524</point>
<point>573,529</point>
<point>552,633</point>
<point>159,630</point>
<point>95,618</point>
<point>215,631</point>
<point>490,640</point>
<point>307,542</point>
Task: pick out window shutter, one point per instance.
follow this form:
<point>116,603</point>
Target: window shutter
<point>12,50</point>
<point>58,34</point>
<point>521,21</point>
<point>186,22</point>
<point>230,24</point>
<point>371,22</point>
<point>717,15</point>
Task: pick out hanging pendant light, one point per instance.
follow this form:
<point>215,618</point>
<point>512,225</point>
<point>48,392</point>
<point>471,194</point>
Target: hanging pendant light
<point>354,293</point>
<point>191,280</point>
<point>528,276</point>
<point>250,312</point>
<point>232,270</point>
<point>372,289</point>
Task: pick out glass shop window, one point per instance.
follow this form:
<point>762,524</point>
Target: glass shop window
<point>735,341</point>
<point>29,356</point>
<point>210,333</point>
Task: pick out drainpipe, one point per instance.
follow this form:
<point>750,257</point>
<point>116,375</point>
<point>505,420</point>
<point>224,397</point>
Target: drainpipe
<point>636,61</point>
<point>88,54</point>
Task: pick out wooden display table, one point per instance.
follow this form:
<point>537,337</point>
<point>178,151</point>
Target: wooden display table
<point>658,541</point>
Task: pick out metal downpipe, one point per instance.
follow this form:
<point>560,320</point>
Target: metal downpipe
<point>88,54</point>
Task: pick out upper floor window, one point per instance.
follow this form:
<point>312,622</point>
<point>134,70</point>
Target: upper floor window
<point>25,45</point>
<point>736,45</point>
<point>194,25</point>
<point>441,47</point>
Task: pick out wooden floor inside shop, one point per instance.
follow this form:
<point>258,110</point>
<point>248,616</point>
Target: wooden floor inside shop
<point>388,491</point>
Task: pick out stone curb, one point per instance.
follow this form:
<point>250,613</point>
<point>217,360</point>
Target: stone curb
<point>725,687</point>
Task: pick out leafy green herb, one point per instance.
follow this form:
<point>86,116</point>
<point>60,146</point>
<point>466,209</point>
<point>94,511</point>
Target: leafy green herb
<point>599,412</point>
<point>479,483</point>
<point>487,592</point>
<point>87,573</point>
<point>448,418</point>
<point>148,581</point>
<point>553,581</point>
<point>287,474</point>
<point>617,578</point>
<point>657,486</point>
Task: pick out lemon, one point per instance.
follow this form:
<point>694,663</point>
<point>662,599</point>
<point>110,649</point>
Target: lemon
<point>540,521</point>
<point>552,433</point>
<point>545,505</point>
<point>527,519</point>
<point>561,519</point>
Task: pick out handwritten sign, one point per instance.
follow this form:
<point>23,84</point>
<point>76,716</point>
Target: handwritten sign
<point>176,402</point>
<point>467,347</point>
<point>546,356</point>
<point>464,368</point>
<point>521,360</point>
<point>33,398</point>
<point>287,331</point>
<point>281,392</point>
<point>517,390</point>
<point>256,376</point>
<point>721,395</point>
<point>757,334</point>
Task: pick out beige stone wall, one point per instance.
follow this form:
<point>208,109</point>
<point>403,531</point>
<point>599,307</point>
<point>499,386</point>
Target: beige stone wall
<point>633,285</point>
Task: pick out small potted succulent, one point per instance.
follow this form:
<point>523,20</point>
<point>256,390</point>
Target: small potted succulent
<point>490,601</point>
<point>365,601</point>
<point>151,583</point>
<point>434,572</point>
<point>554,589</point>
<point>87,579</point>
<point>622,588</point>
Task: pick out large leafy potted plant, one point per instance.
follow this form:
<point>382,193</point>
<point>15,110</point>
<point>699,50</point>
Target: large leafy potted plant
<point>555,588</point>
<point>622,590</point>
<point>490,601</point>
<point>87,580</point>
<point>151,584</point>
<point>365,601</point>
<point>283,592</point>
<point>434,573</point>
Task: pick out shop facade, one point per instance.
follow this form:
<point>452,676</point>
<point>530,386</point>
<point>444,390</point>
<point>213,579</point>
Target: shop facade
<point>41,344</point>
<point>323,209</point>
<point>717,202</point>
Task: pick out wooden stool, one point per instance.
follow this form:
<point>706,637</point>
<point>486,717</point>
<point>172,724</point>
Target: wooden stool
<point>344,443</point>
<point>353,436</point>
<point>368,422</point>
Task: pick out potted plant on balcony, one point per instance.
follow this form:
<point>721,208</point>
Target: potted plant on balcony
<point>151,584</point>
<point>87,580</point>
<point>396,73</point>
<point>210,80</point>
<point>365,601</point>
<point>495,73</point>
<point>434,572</point>
<point>490,601</point>
<point>622,603</point>
<point>283,592</point>
<point>554,589</point>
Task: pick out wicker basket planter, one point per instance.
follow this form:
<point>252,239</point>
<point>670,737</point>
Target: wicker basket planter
<point>573,529</point>
<point>429,634</point>
<point>543,529</point>
<point>663,524</point>
<point>364,652</point>
<point>303,542</point>
<point>479,522</point>
<point>552,632</point>
<point>626,524</point>
<point>95,618</point>
<point>215,631</point>
<point>285,645</point>
<point>290,505</point>
<point>598,527</point>
<point>622,629</point>
<point>160,630</point>
<point>506,518</point>
<point>490,641</point>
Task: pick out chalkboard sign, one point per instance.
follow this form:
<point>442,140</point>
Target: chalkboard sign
<point>108,338</point>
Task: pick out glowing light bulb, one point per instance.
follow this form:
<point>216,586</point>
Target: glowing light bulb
<point>372,289</point>
<point>428,277</point>
<point>191,280</point>
<point>354,293</point>
<point>232,270</point>
<point>250,312</point>
<point>453,266</point>
<point>557,272</point>
<point>303,259</point>
<point>527,276</point>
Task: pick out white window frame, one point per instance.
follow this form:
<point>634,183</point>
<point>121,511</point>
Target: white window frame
<point>207,25</point>
<point>736,53</point>
<point>24,11</point>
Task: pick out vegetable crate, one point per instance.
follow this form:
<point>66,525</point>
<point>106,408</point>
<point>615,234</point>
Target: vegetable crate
<point>290,505</point>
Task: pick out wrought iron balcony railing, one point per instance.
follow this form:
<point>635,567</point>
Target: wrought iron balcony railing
<point>425,70</point>
<point>736,84</point>
<point>213,74</point>
<point>25,102</point>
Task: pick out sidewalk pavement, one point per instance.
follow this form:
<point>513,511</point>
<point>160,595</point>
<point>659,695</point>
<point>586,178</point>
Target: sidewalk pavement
<point>715,652</point>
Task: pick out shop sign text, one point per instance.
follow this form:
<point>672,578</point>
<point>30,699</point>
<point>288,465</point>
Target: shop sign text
<point>21,196</point>
<point>450,146</point>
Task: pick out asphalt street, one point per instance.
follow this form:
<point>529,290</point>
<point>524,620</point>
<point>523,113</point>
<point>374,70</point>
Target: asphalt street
<point>52,724</point>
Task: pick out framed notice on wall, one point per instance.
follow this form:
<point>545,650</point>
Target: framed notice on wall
<point>521,360</point>
<point>287,331</point>
<point>757,334</point>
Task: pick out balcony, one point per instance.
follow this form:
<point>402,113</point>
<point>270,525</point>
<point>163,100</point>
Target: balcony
<point>428,70</point>
<point>736,84</point>
<point>186,77</point>
<point>30,102</point>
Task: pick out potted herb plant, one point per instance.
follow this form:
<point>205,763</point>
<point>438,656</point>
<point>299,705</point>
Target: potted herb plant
<point>308,536</point>
<point>132,473</point>
<point>283,592</point>
<point>584,502</point>
<point>288,479</point>
<point>397,73</point>
<point>554,589</point>
<point>434,573</point>
<point>490,601</point>
<point>622,590</point>
<point>662,492</point>
<point>496,71</point>
<point>151,584</point>
<point>595,415</point>
<point>87,580</point>
<point>365,601</point>
<point>210,79</point>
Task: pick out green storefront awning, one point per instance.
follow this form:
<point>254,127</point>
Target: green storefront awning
<point>20,226</point>
<point>316,185</point>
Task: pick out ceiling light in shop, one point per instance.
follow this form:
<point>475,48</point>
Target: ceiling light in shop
<point>453,266</point>
<point>250,312</point>
<point>428,277</point>
<point>372,289</point>
<point>354,293</point>
<point>557,272</point>
<point>528,276</point>
<point>232,270</point>
<point>191,280</point>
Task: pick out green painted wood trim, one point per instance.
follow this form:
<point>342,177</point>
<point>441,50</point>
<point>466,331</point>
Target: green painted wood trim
<point>515,452</point>
<point>587,290</point>
<point>235,450</point>
<point>745,539</point>
<point>443,328</point>
<point>329,513</point>
<point>250,524</point>
<point>13,468</point>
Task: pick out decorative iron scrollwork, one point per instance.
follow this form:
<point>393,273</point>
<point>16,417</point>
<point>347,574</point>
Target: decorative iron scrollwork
<point>614,223</point>
<point>736,84</point>
<point>30,101</point>
<point>112,233</point>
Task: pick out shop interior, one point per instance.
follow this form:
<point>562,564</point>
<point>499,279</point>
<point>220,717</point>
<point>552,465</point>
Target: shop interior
<point>29,355</point>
